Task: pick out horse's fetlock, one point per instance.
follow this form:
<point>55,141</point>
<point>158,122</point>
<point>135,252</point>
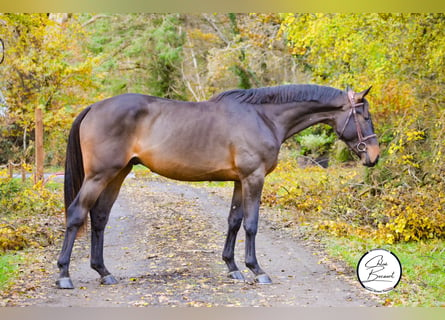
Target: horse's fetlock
<point>227,257</point>
<point>96,266</point>
<point>251,265</point>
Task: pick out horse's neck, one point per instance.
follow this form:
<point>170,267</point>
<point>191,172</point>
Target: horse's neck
<point>293,118</point>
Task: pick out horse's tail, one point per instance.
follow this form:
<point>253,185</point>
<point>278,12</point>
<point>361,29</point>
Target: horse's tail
<point>74,171</point>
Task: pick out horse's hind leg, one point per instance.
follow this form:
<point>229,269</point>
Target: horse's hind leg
<point>90,191</point>
<point>99,217</point>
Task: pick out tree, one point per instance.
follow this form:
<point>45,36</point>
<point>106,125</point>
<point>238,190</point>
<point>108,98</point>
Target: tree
<point>139,53</point>
<point>401,55</point>
<point>45,66</point>
<point>252,53</point>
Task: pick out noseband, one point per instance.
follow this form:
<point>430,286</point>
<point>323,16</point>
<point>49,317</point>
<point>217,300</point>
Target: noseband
<point>361,145</point>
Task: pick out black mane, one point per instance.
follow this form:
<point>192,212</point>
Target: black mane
<point>281,94</point>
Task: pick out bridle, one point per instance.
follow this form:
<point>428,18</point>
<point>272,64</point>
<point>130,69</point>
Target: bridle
<point>361,145</point>
<point>3,51</point>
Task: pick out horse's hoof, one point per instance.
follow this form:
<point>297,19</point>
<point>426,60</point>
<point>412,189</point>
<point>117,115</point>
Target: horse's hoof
<point>236,275</point>
<point>263,279</point>
<point>64,283</point>
<point>108,280</point>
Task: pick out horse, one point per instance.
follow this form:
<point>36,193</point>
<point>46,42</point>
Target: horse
<point>234,136</point>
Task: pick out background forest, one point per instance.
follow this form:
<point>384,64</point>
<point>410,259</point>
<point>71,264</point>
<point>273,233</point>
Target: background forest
<point>64,62</point>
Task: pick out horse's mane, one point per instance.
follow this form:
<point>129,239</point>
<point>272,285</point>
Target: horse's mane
<point>281,94</point>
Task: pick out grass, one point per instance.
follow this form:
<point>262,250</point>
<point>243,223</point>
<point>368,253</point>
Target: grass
<point>8,268</point>
<point>423,268</point>
<point>338,207</point>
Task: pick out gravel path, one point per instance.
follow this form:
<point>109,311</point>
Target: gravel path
<point>164,242</point>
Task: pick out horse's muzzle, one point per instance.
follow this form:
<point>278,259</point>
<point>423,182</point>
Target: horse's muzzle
<point>370,156</point>
<point>368,162</point>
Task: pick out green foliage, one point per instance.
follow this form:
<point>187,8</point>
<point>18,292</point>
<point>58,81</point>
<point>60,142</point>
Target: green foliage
<point>145,57</point>
<point>8,268</point>
<point>165,65</point>
<point>243,76</point>
<point>340,152</point>
<point>315,141</point>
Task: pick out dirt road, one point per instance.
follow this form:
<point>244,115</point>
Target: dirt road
<point>163,243</point>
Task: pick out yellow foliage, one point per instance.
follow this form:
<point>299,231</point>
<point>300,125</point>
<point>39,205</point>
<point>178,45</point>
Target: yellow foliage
<point>401,55</point>
<point>198,34</point>
<point>417,214</point>
<point>45,65</point>
<point>30,214</point>
<point>12,238</point>
<point>338,201</point>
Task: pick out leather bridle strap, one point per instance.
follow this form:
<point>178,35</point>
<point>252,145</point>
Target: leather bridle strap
<point>361,145</point>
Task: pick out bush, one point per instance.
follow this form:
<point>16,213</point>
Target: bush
<point>342,202</point>
<point>315,141</point>
<point>308,191</point>
<point>413,215</point>
<point>30,214</point>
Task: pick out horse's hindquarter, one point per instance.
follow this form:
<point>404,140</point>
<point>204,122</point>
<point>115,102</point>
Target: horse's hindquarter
<point>179,140</point>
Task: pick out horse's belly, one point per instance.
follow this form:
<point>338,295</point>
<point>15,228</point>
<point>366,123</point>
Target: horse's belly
<point>193,173</point>
<point>189,166</point>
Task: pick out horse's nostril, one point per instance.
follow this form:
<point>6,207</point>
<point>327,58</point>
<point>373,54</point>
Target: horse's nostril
<point>367,161</point>
<point>372,164</point>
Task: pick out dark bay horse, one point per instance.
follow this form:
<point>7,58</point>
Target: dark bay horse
<point>235,136</point>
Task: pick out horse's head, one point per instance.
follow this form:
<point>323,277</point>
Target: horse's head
<point>354,126</point>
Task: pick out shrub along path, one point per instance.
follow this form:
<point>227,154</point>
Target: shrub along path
<point>164,243</point>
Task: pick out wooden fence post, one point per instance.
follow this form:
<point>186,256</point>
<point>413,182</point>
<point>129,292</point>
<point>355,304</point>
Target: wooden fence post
<point>10,169</point>
<point>22,166</point>
<point>39,144</point>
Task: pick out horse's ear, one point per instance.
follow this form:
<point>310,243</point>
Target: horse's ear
<point>359,96</point>
<point>348,88</point>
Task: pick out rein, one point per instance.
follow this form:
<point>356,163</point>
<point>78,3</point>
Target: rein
<point>361,145</point>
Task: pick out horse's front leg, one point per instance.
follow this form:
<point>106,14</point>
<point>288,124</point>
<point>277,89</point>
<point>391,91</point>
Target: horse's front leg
<point>252,189</point>
<point>235,220</point>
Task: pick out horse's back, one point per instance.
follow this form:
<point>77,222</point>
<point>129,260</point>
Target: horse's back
<point>181,140</point>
